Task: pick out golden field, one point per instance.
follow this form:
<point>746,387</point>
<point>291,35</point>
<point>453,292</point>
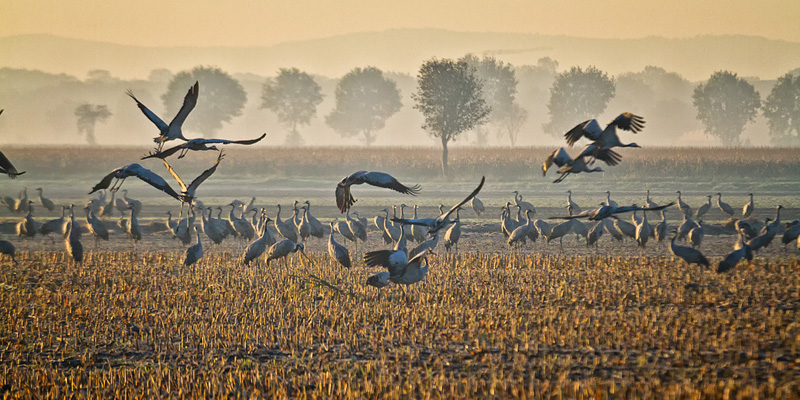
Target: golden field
<point>543,322</point>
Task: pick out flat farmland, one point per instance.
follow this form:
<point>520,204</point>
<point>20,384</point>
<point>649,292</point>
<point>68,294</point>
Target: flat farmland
<point>545,320</point>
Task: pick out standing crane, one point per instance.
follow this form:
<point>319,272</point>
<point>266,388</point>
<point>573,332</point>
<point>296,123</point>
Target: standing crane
<point>748,208</point>
<point>337,251</point>
<point>46,203</point>
<point>725,207</point>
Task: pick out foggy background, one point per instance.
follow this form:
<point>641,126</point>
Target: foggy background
<point>44,78</point>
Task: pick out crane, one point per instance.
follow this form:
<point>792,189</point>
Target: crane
<point>380,179</point>
<point>435,224</point>
<point>173,130</point>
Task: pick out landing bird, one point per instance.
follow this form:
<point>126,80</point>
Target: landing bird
<point>606,138</point>
<point>187,192</point>
<point>578,164</point>
<point>173,130</point>
<point>435,224</point>
<point>607,211</point>
<point>344,199</point>
<point>197,145</point>
<point>406,273</point>
<point>122,173</point>
<point>7,168</point>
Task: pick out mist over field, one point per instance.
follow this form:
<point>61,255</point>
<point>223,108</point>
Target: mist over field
<point>44,78</point>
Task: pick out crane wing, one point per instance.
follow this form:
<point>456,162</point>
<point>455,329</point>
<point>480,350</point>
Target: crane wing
<point>429,222</point>
<point>608,156</point>
<point>6,165</point>
<point>468,198</point>
<point>189,101</point>
<point>153,180</point>
<point>384,180</point>
<point>224,141</point>
<point>175,175</point>
<point>147,113</point>
<point>589,129</point>
<point>583,214</point>
<point>202,177</point>
<point>395,261</point>
<point>344,200</point>
<point>558,157</point>
<point>629,122</point>
<point>106,181</point>
<point>165,153</point>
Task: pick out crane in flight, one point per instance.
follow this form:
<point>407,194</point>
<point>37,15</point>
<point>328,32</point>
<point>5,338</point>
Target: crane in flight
<point>435,224</point>
<point>380,179</point>
<point>174,129</point>
<point>6,167</point>
<point>605,211</point>
<point>578,164</point>
<point>198,145</point>
<point>606,138</point>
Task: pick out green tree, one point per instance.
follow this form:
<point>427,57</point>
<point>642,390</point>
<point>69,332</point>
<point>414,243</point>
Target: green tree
<point>294,96</point>
<point>782,110</point>
<point>450,98</point>
<point>577,95</point>
<point>221,98</point>
<point>365,99</point>
<point>88,116</point>
<point>725,103</point>
<point>499,91</point>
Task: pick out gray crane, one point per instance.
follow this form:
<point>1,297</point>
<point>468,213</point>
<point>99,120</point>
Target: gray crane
<point>344,200</point>
<point>702,210</point>
<point>568,165</point>
<point>173,130</point>
<point>73,242</point>
<point>606,138</point>
<point>198,144</point>
<point>337,251</point>
<point>399,269</point>
<point>282,249</point>
<point>725,207</point>
<point>435,224</point>
<point>686,253</point>
<point>605,211</point>
<point>257,247</point>
<point>741,250</point>
<point>8,249</point>
<point>7,168</point>
<point>748,208</point>
<point>46,203</point>
<point>195,252</point>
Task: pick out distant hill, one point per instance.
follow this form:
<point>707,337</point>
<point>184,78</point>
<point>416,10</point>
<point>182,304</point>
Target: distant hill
<point>403,50</point>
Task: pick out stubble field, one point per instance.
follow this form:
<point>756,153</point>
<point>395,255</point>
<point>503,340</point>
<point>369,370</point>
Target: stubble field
<point>544,321</point>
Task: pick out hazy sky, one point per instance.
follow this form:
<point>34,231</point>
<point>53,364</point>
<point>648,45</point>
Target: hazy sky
<point>254,22</point>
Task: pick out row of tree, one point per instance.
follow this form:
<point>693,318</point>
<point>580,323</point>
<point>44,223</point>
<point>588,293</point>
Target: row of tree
<point>500,95</point>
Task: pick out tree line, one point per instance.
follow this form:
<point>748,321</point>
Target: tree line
<point>479,95</point>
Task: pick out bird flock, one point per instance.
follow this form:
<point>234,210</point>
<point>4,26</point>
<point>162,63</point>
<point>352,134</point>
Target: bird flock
<point>399,263</point>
